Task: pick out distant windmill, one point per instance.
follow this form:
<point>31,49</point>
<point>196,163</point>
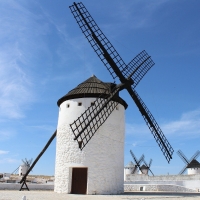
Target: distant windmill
<point>148,166</point>
<point>191,164</point>
<point>23,169</point>
<point>137,161</point>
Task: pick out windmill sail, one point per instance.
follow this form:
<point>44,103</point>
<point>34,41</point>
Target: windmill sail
<point>186,161</point>
<point>153,126</point>
<point>89,122</point>
<point>137,161</point>
<point>129,75</point>
<point>96,38</point>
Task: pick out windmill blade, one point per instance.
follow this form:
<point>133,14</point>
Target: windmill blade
<point>30,161</point>
<point>183,170</point>
<point>145,163</point>
<point>153,126</point>
<point>138,67</point>
<point>105,50</point>
<point>136,161</point>
<point>183,157</point>
<point>150,162</point>
<point>195,156</point>
<point>133,156</point>
<point>151,171</point>
<point>148,165</point>
<point>15,170</point>
<point>101,45</point>
<point>141,158</point>
<point>89,122</point>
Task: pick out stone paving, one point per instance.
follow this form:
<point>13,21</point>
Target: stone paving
<point>50,195</point>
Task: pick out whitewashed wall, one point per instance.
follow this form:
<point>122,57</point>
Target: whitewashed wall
<point>193,171</point>
<point>103,155</point>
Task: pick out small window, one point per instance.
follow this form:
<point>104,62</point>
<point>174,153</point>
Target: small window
<point>68,105</point>
<point>117,108</point>
<point>141,189</point>
<point>79,104</point>
<point>92,103</point>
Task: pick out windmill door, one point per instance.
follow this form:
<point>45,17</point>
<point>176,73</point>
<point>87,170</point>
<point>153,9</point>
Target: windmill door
<point>79,181</point>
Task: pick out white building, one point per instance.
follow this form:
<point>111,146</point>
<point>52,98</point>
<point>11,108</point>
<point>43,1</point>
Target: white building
<point>130,168</point>
<point>23,168</point>
<point>193,167</point>
<point>144,170</point>
<point>98,168</point>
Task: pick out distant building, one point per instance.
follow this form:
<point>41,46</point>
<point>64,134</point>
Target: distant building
<point>23,168</point>
<point>130,168</point>
<point>193,167</point>
<point>144,170</point>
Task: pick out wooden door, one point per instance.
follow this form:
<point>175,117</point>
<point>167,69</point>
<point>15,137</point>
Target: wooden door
<point>79,181</point>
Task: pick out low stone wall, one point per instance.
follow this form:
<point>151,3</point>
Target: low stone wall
<point>17,186</point>
<point>191,182</point>
<point>155,188</point>
<point>140,177</point>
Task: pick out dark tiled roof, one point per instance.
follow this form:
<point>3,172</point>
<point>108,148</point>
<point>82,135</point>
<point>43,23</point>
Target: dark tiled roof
<point>130,164</point>
<point>194,164</point>
<point>144,167</point>
<point>92,87</point>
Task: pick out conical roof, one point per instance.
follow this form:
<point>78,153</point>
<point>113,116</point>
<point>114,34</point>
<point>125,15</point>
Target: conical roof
<point>194,164</point>
<point>144,167</point>
<point>92,87</point>
<point>130,164</point>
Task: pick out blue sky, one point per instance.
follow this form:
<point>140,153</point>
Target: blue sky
<point>43,55</point>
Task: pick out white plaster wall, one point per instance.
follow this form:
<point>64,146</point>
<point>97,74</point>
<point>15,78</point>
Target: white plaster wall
<point>103,155</point>
<point>187,181</point>
<point>193,171</point>
<point>17,186</point>
<point>23,169</point>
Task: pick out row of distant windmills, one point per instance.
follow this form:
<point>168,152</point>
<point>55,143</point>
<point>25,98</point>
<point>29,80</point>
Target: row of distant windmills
<point>191,165</point>
<point>91,125</point>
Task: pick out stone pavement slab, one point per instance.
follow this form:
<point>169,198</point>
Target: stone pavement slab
<point>50,195</point>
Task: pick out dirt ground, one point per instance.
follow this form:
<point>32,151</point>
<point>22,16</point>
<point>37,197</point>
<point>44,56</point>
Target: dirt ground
<point>50,195</point>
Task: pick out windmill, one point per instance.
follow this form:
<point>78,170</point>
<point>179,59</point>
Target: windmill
<point>148,166</point>
<point>137,161</point>
<point>129,75</point>
<point>88,123</point>
<point>27,164</point>
<point>190,163</point>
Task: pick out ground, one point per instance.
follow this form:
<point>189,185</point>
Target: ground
<point>45,195</point>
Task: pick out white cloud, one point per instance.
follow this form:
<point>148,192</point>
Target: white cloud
<point>9,160</point>
<point>187,125</point>
<point>3,152</point>
<point>140,12</point>
<point>6,134</point>
<point>20,44</point>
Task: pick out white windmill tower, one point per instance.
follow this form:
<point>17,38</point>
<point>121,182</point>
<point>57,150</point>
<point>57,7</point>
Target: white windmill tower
<point>24,167</point>
<point>98,168</point>
<point>129,169</point>
<point>191,165</point>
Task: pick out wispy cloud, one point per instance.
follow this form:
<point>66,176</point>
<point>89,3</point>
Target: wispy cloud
<point>9,160</point>
<point>3,152</point>
<point>21,36</point>
<point>187,125</point>
<point>6,134</point>
<point>140,12</point>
